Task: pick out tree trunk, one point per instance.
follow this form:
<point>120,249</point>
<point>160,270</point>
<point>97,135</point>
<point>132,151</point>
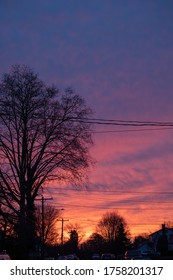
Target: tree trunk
<point>26,229</point>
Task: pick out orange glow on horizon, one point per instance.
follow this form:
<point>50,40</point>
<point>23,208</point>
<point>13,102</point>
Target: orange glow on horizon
<point>132,176</point>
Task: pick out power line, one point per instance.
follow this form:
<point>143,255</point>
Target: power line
<point>128,201</point>
<point>112,208</point>
<point>114,122</point>
<point>127,121</point>
<point>131,130</point>
<point>111,191</point>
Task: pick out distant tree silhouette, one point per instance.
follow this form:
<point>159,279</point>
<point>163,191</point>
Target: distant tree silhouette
<point>43,137</point>
<point>75,227</point>
<point>140,239</point>
<point>122,240</point>
<point>113,228</point>
<point>73,241</point>
<point>50,219</point>
<point>95,243</point>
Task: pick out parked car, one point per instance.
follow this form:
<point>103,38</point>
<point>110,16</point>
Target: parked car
<point>107,256</point>
<point>61,257</point>
<point>133,255</point>
<point>95,257</point>
<point>49,258</point>
<point>4,256</point>
<point>147,252</point>
<point>72,257</point>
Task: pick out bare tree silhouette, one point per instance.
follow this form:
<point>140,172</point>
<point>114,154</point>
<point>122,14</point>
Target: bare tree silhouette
<point>113,228</point>
<point>43,137</point>
<point>51,215</point>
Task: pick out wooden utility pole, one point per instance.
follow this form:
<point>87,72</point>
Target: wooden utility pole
<point>62,230</point>
<point>43,224</point>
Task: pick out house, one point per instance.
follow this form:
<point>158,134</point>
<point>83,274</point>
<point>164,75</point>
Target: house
<point>146,248</point>
<point>162,239</point>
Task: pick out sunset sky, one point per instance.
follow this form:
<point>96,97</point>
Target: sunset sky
<point>118,55</point>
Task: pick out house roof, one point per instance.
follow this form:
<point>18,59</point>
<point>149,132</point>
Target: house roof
<point>160,230</point>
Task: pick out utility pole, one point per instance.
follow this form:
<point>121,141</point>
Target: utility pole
<point>62,230</point>
<point>43,224</point>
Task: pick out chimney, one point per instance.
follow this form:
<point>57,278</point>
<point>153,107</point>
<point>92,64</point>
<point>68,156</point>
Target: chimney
<point>163,229</point>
